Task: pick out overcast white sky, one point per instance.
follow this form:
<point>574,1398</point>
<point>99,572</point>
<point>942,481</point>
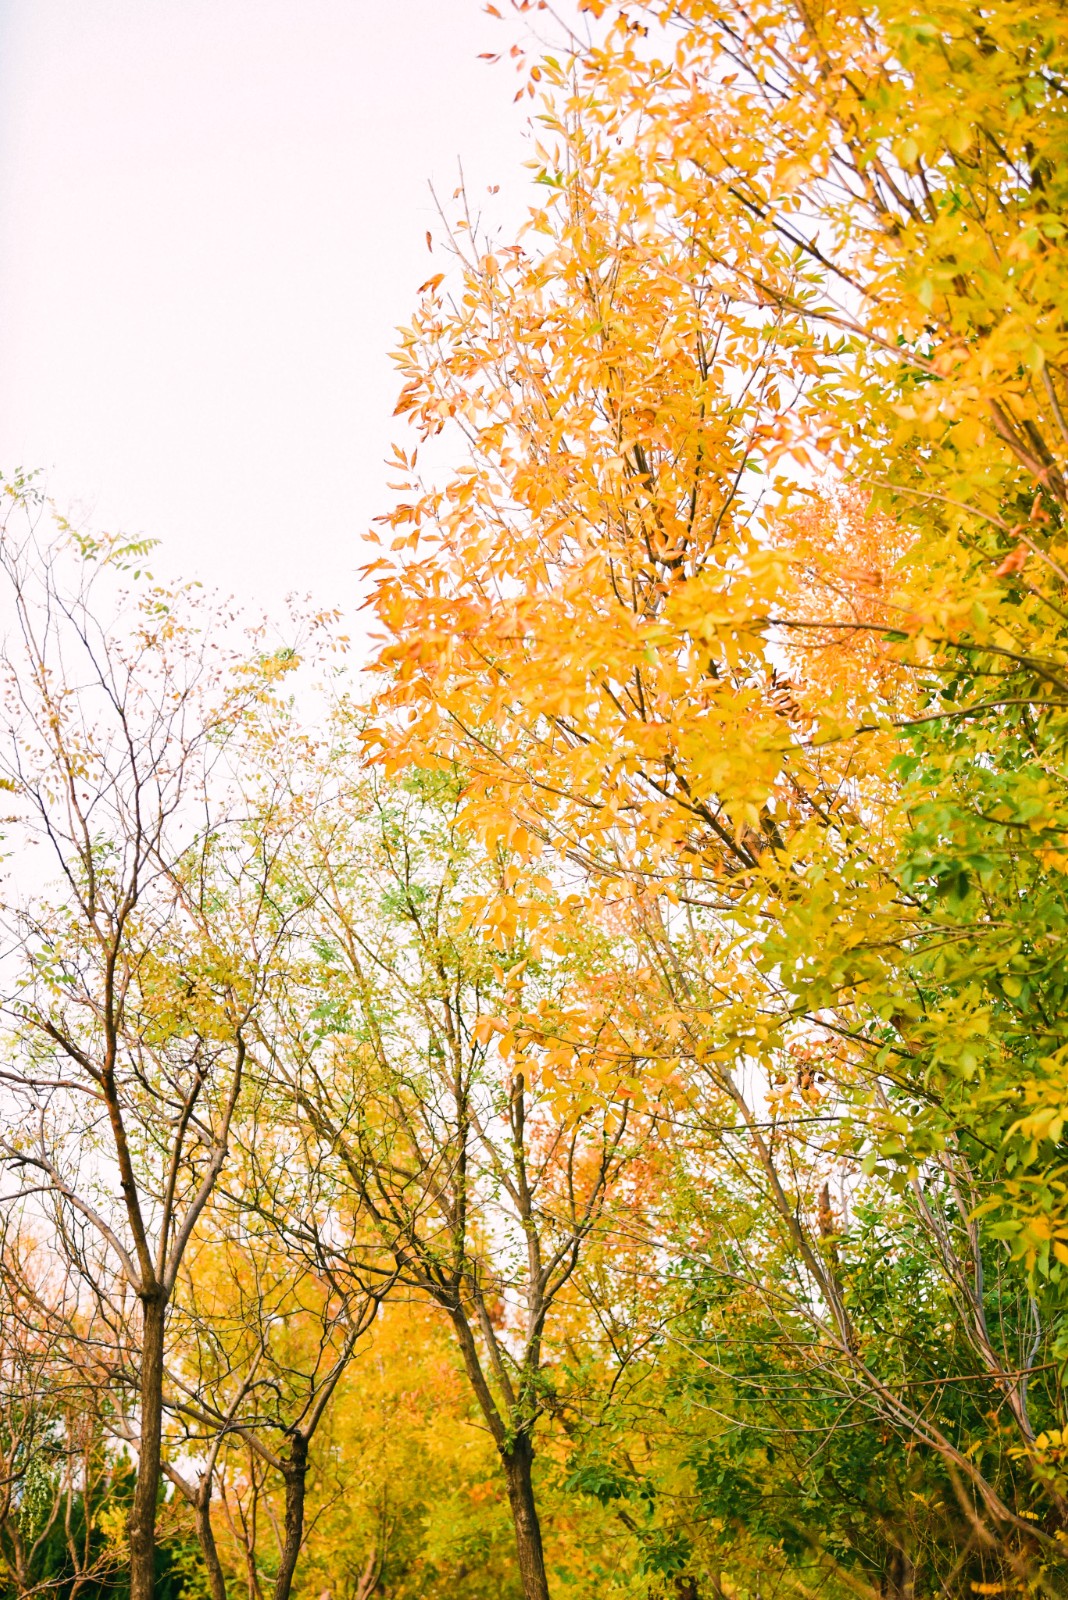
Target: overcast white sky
<point>212,217</point>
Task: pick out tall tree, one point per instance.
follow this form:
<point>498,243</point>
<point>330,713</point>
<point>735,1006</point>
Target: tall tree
<point>779,240</point>
<point>126,1008</point>
<point>439,1083</point>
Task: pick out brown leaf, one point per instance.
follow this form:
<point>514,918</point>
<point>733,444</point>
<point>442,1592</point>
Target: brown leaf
<point>1015,561</point>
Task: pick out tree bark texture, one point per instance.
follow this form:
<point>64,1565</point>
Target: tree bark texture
<point>208,1549</point>
<point>142,1523</point>
<point>296,1472</point>
<point>518,1462</point>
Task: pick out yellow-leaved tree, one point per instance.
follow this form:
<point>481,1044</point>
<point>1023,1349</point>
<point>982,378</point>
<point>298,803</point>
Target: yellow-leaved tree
<point>746,605</point>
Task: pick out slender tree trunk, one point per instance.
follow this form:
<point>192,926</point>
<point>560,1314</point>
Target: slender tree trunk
<point>296,1471</point>
<point>22,1575</point>
<point>518,1462</point>
<point>142,1523</point>
<point>206,1537</point>
<point>370,1576</point>
<point>900,1576</point>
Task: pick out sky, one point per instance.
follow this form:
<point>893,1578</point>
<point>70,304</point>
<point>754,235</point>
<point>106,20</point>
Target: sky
<point>212,219</point>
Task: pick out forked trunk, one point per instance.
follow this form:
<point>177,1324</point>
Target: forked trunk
<point>518,1463</point>
<point>296,1471</point>
<point>142,1523</point>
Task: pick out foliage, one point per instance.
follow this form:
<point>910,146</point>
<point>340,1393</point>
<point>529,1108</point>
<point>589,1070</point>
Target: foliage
<point>654,996</point>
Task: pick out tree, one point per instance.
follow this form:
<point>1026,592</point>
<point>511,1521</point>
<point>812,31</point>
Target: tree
<point>268,1317</point>
<point>437,1082</point>
<point>630,643</point>
<point>127,1011</point>
<point>682,1012</point>
<point>60,1477</point>
<point>405,1495</point>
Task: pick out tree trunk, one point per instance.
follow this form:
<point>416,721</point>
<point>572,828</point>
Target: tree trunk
<point>142,1523</point>
<point>900,1576</point>
<point>296,1471</point>
<point>370,1576</point>
<point>206,1536</point>
<point>518,1462</point>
